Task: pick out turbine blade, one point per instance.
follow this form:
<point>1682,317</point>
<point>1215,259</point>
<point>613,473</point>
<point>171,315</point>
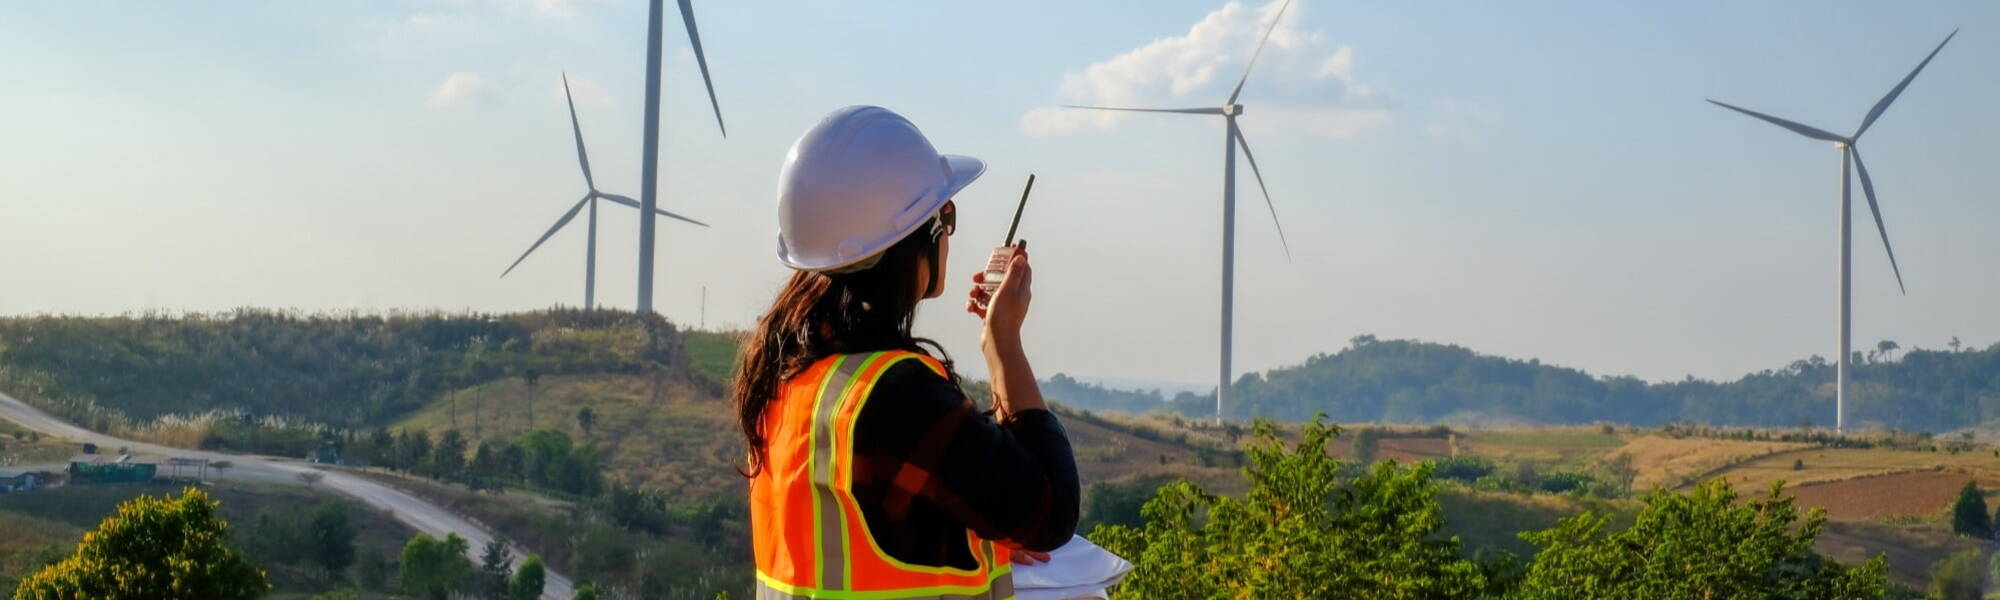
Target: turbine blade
<point>626,201</point>
<point>1245,144</point>
<point>1883,105</point>
<point>1260,50</point>
<point>1868,189</point>
<point>581,158</point>
<point>1801,129</point>
<point>552,231</point>
<point>1190,111</point>
<point>701,60</point>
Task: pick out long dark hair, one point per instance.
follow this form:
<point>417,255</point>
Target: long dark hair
<point>818,315</point>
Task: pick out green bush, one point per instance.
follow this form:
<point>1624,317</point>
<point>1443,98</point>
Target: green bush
<point>1300,532</point>
<point>1968,513</point>
<point>154,549</point>
<point>1703,544</point>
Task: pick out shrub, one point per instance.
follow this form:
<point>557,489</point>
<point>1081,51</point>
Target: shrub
<point>154,548</point>
<point>1703,544</point>
<point>1300,532</point>
<point>1968,513</point>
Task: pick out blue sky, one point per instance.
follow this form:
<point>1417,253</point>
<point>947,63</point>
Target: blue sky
<point>1527,179</point>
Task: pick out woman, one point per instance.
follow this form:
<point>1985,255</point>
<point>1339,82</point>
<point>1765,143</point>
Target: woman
<point>871,473</point>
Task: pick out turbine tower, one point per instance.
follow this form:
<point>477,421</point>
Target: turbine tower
<point>649,177</point>
<point>1850,159</point>
<point>590,197</point>
<point>1232,138</point>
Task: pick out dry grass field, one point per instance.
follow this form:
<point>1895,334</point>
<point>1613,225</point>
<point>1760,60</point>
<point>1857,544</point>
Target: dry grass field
<point>1673,462</point>
<point>1565,447</point>
<point>1834,464</point>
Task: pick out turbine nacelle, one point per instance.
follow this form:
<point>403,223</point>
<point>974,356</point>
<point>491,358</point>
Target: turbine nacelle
<point>1231,110</point>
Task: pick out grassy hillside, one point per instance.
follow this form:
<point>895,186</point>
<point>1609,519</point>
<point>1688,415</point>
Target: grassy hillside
<point>681,437</point>
<point>347,370</point>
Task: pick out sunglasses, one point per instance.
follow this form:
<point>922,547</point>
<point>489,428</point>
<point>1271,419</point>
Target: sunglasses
<point>946,221</point>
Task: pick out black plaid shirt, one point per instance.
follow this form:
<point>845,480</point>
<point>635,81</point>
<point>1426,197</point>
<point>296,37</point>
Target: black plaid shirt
<point>928,464</point>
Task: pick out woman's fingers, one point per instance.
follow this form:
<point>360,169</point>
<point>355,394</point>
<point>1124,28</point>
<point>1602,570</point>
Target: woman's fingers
<point>1029,557</point>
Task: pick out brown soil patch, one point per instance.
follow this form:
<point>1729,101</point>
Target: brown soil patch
<point>1920,493</point>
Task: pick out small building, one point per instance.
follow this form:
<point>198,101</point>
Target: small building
<point>99,468</point>
<point>181,468</point>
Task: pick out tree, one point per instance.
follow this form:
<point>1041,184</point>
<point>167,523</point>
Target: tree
<point>329,539</point>
<point>496,560</point>
<point>585,418</point>
<point>532,377</point>
<point>371,571</point>
<point>528,580</point>
<point>585,592</point>
<point>1884,349</point>
<point>1300,532</point>
<point>274,538</point>
<point>1367,443</point>
<point>1119,502</point>
<point>413,450</point>
<point>448,457</point>
<point>1703,544</point>
<point>1958,577</point>
<point>1621,472</point>
<point>154,548</point>
<point>1968,513</point>
<point>435,569</point>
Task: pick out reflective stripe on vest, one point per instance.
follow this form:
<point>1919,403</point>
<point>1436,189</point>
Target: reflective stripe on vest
<point>825,550</point>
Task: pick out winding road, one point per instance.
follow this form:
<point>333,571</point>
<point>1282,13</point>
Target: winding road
<point>410,509</point>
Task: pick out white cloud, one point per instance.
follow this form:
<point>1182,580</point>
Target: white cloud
<point>459,89</point>
<point>1201,66</point>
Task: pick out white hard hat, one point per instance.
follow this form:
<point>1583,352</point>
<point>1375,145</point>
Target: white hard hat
<point>857,183</point>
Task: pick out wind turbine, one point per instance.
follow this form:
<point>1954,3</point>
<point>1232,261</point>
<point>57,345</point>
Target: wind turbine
<point>590,197</point>
<point>648,196</point>
<point>1231,140</point>
<point>1851,156</point>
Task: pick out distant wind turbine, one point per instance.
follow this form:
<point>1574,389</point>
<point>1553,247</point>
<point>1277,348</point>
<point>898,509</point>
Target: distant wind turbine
<point>1231,140</point>
<point>590,197</point>
<point>1851,155</point>
<point>649,177</point>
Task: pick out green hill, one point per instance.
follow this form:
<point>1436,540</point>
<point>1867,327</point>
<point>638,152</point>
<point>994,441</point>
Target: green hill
<point>1407,381</point>
<point>343,370</point>
<point>682,437</point>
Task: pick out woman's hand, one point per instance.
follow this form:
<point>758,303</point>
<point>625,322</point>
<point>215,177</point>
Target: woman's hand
<point>1006,308</point>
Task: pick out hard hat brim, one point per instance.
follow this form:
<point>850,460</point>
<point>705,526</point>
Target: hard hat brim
<point>964,169</point>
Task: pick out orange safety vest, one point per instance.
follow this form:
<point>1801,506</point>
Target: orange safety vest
<point>811,540</point>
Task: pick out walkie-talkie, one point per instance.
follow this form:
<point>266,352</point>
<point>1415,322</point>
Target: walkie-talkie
<point>996,265</point>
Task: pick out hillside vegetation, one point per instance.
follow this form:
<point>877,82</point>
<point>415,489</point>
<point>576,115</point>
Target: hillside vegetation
<point>343,370</point>
<point>1406,381</point>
